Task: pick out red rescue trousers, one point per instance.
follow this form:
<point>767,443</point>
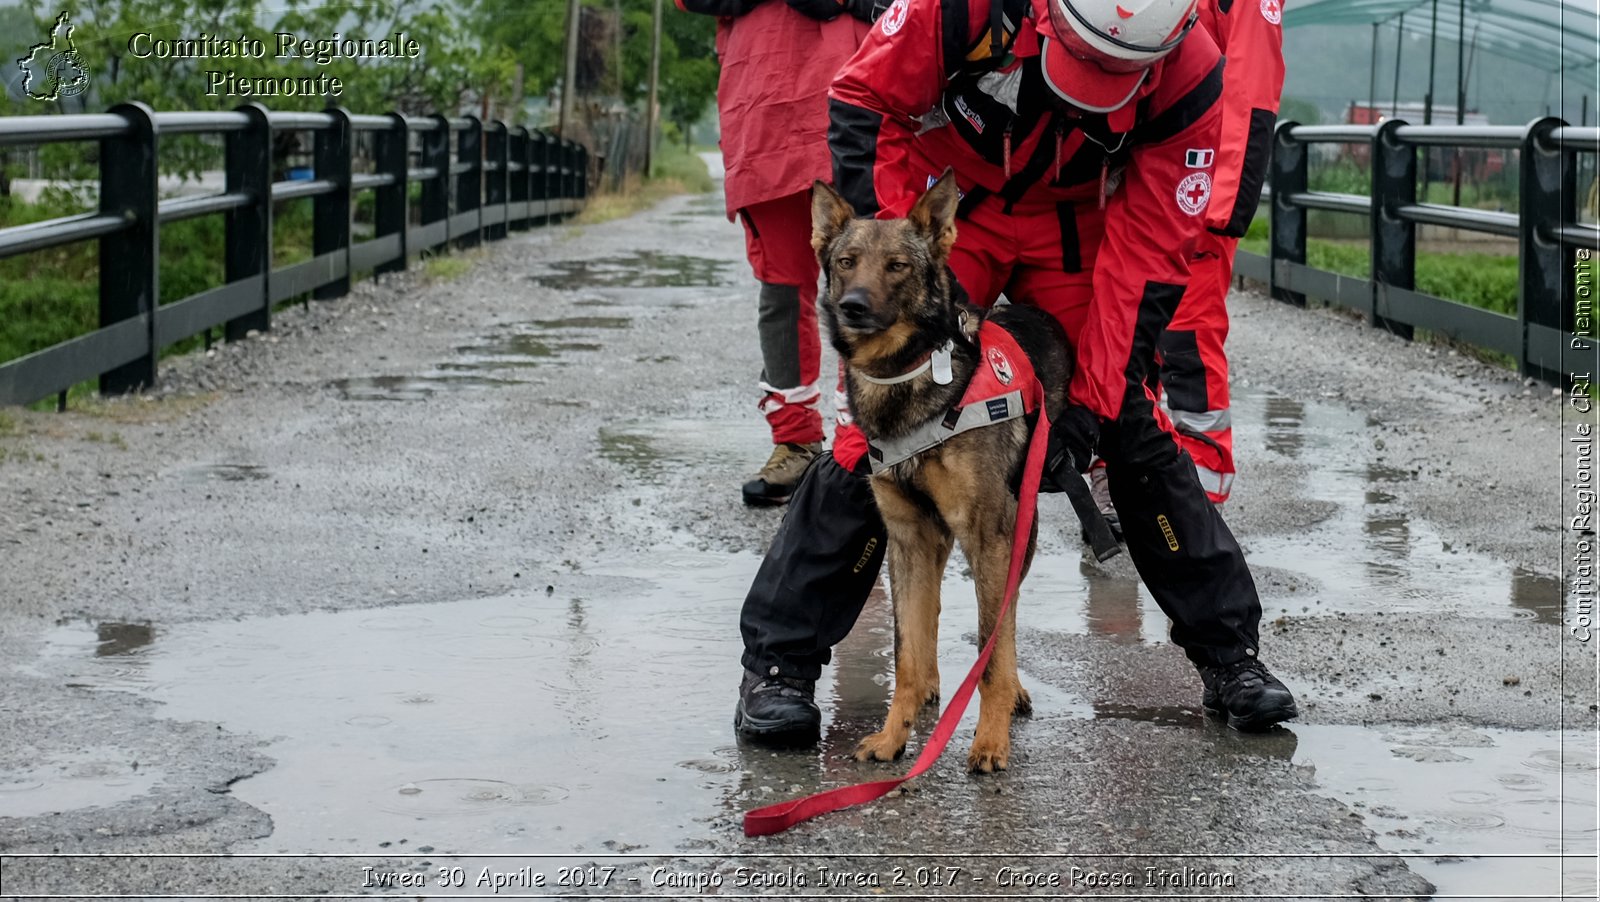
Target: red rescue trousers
<point>778,242</point>
<point>1194,368</point>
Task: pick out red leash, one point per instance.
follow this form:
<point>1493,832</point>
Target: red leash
<point>780,817</point>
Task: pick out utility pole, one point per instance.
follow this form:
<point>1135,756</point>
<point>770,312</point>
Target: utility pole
<point>1433,53</point>
<point>1372,76</point>
<point>651,115</point>
<point>569,81</point>
<point>517,77</point>
<point>1399,45</point>
<point>1461,87</point>
<point>1427,102</point>
<point>1461,63</point>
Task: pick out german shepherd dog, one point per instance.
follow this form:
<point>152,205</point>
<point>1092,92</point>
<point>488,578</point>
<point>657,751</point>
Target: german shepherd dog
<point>890,303</point>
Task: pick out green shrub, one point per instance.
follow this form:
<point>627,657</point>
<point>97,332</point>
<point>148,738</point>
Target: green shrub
<point>1478,280</point>
<point>49,296</point>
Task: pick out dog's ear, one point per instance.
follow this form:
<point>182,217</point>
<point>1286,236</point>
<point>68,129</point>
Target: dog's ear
<point>934,214</point>
<point>830,213</point>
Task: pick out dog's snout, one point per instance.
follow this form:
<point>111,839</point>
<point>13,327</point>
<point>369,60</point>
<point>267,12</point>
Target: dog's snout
<point>854,307</point>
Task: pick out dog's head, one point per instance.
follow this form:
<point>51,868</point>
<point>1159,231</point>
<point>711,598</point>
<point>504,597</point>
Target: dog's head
<point>885,278</point>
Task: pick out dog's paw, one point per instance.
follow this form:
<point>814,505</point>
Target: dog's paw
<point>1024,706</point>
<point>988,757</point>
<point>880,746</point>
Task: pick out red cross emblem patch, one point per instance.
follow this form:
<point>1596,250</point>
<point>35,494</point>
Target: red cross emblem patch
<point>1193,192</point>
<point>895,17</point>
<point>1000,365</point>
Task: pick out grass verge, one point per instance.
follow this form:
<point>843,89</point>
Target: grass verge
<point>1480,280</point>
<point>676,170</point>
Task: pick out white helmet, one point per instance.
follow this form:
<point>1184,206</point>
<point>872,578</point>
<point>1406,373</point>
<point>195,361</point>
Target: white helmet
<point>1096,51</point>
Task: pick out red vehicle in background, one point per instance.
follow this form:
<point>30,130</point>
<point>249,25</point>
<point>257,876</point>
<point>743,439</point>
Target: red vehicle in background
<point>1477,166</point>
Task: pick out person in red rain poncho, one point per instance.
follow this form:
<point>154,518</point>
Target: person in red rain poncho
<point>1194,369</point>
<point>1194,366</point>
<point>777,60</point>
<point>1083,135</point>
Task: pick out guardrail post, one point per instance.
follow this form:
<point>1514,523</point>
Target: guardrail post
<point>1394,240</point>
<point>519,181</point>
<point>248,230</point>
<point>583,172</point>
<point>563,163</point>
<point>1288,222</point>
<point>391,155</point>
<point>1545,296</point>
<point>469,184</point>
<point>571,162</point>
<point>130,258</point>
<point>496,152</point>
<point>330,212</point>
<point>436,191</point>
<point>541,177</point>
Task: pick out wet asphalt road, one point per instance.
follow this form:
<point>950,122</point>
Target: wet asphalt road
<point>445,575</point>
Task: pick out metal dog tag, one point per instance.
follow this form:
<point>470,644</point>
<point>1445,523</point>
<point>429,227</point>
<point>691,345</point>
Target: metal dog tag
<point>941,364</point>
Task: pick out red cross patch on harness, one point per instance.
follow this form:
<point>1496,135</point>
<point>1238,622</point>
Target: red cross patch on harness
<point>1000,364</point>
<point>1007,364</point>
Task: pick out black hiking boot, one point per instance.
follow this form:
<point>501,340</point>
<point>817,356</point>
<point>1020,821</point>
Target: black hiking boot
<point>1247,694</point>
<point>777,711</point>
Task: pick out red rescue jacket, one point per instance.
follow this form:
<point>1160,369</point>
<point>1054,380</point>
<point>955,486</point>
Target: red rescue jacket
<point>928,90</point>
<point>1250,35</point>
<point>772,94</point>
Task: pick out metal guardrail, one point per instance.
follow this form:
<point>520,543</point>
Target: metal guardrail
<point>1540,337</point>
<point>502,178</point>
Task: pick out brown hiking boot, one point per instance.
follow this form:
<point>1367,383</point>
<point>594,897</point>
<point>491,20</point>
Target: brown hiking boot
<point>776,481</point>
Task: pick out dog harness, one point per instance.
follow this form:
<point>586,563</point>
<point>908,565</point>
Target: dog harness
<point>994,394</point>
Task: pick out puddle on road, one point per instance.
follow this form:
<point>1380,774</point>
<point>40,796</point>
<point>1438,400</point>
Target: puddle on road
<point>116,640</point>
<point>1371,556</point>
<point>537,343</point>
<point>708,205</point>
<point>226,473</point>
<point>1453,792</point>
<point>86,779</point>
<point>494,725</point>
<point>645,269</point>
<point>413,388</point>
<point>650,449</point>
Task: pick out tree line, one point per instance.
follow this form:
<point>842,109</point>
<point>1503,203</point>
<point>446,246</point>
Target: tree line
<point>494,57</point>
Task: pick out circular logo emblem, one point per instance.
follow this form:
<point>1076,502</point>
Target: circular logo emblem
<point>1000,365</point>
<point>895,17</point>
<point>1193,192</point>
<point>1272,11</point>
<point>67,74</point>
